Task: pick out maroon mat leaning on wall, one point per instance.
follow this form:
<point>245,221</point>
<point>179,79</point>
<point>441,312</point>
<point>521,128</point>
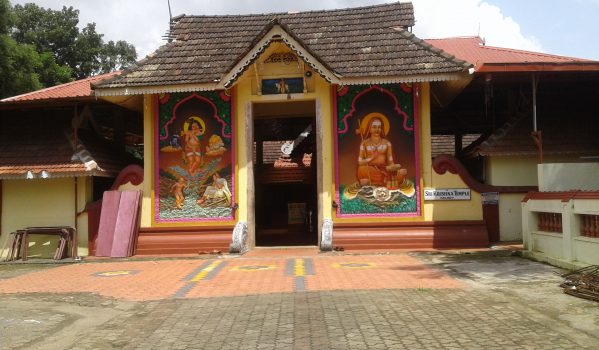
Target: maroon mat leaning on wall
<point>108,217</point>
<point>126,224</point>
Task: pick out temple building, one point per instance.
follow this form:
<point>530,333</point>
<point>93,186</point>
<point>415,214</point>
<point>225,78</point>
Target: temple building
<point>338,129</point>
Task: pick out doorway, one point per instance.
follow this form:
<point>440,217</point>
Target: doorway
<point>285,174</point>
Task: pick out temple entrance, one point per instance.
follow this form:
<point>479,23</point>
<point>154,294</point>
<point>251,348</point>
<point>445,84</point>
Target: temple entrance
<point>285,174</point>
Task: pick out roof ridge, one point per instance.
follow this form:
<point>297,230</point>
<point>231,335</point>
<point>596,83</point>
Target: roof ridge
<point>396,3</point>
<point>59,86</point>
<point>437,51</point>
<point>535,53</point>
<point>456,37</point>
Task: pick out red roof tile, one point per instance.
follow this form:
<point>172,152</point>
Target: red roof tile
<point>473,50</point>
<point>74,89</point>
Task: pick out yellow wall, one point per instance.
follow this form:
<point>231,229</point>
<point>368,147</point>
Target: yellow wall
<point>511,171</point>
<point>84,196</point>
<point>148,183</point>
<point>426,162</point>
<point>43,202</point>
<point>245,99</point>
<point>441,210</point>
<point>454,210</point>
<point>518,170</point>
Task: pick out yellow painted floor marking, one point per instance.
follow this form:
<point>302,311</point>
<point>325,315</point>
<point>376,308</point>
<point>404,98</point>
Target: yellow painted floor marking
<point>252,268</point>
<point>299,268</point>
<point>354,265</point>
<point>205,271</point>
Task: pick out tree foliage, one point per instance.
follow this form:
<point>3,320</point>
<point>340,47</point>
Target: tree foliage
<point>43,47</point>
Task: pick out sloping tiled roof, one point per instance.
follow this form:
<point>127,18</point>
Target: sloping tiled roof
<point>561,136</point>
<point>360,42</point>
<point>473,50</point>
<point>74,89</point>
<point>49,147</point>
<point>445,144</point>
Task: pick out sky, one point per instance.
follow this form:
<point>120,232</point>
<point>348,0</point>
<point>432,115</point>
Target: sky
<point>561,27</point>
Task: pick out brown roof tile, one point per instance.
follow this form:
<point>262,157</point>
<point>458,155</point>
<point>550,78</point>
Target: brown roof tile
<point>48,146</point>
<point>445,144</point>
<point>561,136</point>
<point>368,41</point>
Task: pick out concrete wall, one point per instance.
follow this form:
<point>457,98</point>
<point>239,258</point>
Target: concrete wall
<point>568,249</point>
<point>568,176</point>
<point>510,216</point>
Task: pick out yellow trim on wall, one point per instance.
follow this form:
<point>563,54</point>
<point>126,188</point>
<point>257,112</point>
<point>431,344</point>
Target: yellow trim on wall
<point>325,103</point>
<point>147,201</point>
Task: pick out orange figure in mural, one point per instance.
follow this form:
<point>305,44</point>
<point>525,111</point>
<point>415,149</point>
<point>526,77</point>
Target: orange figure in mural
<point>375,162</point>
<point>193,131</point>
<point>177,190</point>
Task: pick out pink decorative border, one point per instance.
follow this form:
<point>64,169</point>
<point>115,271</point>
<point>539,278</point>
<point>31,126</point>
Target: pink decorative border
<point>416,148</point>
<point>215,115</point>
<point>157,164</point>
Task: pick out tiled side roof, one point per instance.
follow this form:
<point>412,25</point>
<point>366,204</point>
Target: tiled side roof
<point>561,136</point>
<point>74,89</point>
<point>359,42</point>
<point>473,50</point>
<point>49,147</point>
<point>445,144</point>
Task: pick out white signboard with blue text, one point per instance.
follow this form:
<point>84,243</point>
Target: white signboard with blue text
<point>446,194</point>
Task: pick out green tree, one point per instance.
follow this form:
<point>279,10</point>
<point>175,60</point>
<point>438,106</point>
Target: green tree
<point>117,55</point>
<point>5,17</point>
<point>85,59</point>
<point>64,52</point>
<point>47,30</point>
<point>19,65</point>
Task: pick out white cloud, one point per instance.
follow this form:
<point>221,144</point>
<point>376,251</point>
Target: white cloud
<point>143,22</point>
<point>439,19</point>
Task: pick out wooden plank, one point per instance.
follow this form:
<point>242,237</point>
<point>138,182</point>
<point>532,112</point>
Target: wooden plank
<point>108,217</point>
<point>136,224</point>
<point>125,224</point>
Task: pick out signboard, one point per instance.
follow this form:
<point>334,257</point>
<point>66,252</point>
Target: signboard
<point>490,197</point>
<point>446,194</point>
<point>282,86</point>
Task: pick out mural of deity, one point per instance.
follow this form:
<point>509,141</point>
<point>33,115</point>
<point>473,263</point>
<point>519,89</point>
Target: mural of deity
<point>381,152</point>
<point>194,165</point>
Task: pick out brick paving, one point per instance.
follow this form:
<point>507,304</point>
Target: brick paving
<point>189,278</point>
<point>269,301</point>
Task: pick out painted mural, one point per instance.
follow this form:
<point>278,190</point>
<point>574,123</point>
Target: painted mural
<point>377,166</point>
<point>194,157</point>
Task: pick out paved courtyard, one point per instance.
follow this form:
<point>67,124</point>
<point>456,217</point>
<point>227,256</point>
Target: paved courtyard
<point>295,299</point>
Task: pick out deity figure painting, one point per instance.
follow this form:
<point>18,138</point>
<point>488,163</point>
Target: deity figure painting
<point>382,152</point>
<point>194,175</point>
